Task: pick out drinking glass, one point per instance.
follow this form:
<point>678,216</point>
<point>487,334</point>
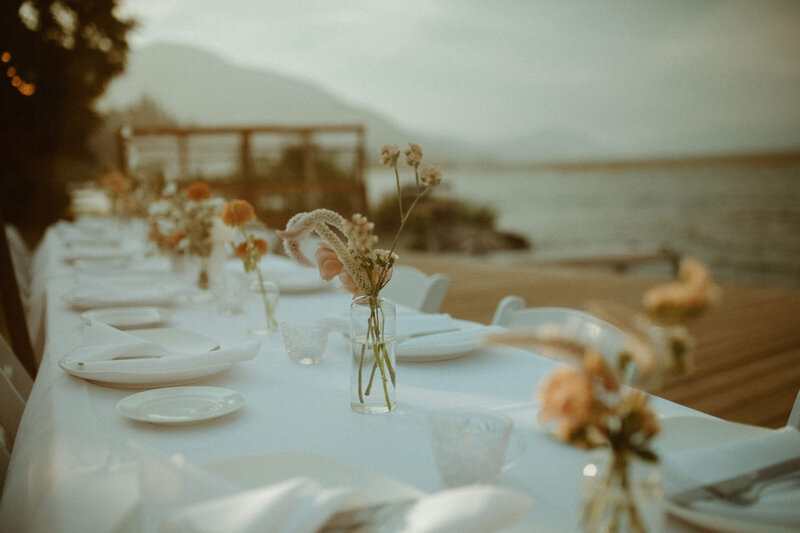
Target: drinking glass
<point>471,447</point>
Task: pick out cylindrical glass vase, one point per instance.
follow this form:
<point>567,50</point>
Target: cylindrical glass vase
<point>621,494</point>
<point>372,355</point>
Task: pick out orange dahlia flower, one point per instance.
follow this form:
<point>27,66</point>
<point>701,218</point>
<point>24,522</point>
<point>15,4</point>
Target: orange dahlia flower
<point>198,191</point>
<point>237,213</point>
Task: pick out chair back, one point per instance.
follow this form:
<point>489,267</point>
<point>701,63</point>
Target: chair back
<point>11,407</point>
<point>20,258</point>
<point>794,417</point>
<point>12,310</point>
<point>413,288</point>
<point>580,325</point>
<point>12,368</point>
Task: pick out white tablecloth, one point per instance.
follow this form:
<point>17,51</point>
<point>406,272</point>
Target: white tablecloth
<point>72,469</point>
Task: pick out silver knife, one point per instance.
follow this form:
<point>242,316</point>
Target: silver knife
<point>731,487</point>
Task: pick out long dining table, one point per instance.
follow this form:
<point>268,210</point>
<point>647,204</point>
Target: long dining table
<point>74,461</point>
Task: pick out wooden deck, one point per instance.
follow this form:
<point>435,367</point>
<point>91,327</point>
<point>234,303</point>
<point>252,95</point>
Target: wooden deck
<point>748,347</point>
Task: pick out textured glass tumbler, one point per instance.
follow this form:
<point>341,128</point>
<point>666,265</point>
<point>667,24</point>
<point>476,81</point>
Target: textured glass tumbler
<point>471,447</point>
<point>304,343</point>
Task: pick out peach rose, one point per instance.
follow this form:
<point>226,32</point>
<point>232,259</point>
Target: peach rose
<point>348,283</point>
<point>568,395</point>
<point>327,262</point>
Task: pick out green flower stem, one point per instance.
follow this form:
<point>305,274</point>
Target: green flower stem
<point>399,194</point>
<point>360,366</point>
<point>380,354</point>
<point>272,324</point>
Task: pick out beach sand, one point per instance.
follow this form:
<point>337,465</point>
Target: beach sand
<point>747,360</point>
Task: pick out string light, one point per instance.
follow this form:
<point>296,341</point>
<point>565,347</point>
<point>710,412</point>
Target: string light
<point>25,89</point>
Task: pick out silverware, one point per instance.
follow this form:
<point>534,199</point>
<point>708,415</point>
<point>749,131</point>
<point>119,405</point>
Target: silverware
<point>385,517</point>
<point>734,489</point>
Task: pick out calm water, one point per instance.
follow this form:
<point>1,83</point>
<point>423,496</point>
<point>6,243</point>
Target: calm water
<point>743,221</point>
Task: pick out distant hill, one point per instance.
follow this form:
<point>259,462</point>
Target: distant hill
<point>199,88</point>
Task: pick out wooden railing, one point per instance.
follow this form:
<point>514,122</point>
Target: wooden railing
<point>296,173</point>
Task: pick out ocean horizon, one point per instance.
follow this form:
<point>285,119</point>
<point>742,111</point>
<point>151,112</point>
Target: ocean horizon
<point>742,220</point>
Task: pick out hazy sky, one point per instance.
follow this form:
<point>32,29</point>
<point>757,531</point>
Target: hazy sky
<point>632,74</point>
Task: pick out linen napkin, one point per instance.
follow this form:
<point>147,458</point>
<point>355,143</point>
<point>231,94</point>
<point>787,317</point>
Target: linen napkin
<point>95,251</point>
<point>470,509</point>
<point>779,503</point>
<point>179,497</point>
<point>296,505</point>
<point>103,343</point>
<point>91,292</point>
<point>407,326</point>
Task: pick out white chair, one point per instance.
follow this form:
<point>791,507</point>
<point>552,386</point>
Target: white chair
<point>413,288</point>
<point>794,417</point>
<point>12,368</point>
<point>584,327</point>
<point>20,254</point>
<point>11,407</point>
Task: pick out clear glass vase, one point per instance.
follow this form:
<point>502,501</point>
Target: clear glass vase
<point>265,296</point>
<point>372,355</point>
<point>621,493</point>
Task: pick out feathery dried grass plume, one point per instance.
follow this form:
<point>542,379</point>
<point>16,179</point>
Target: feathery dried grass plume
<point>362,269</point>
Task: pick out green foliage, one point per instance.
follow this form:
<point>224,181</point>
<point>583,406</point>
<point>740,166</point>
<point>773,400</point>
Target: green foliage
<point>290,168</point>
<point>438,223</point>
<point>67,51</point>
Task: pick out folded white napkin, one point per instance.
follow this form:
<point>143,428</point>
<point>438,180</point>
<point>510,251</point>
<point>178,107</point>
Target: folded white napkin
<point>406,325</point>
<point>470,509</point>
<point>779,503</point>
<point>103,343</point>
<point>91,292</point>
<point>95,251</point>
<point>463,339</point>
<point>296,505</point>
<point>178,497</point>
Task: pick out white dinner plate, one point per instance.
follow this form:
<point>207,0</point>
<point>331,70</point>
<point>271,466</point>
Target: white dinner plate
<point>682,433</point>
<point>183,341</point>
<point>253,471</point>
<point>180,405</point>
<point>444,346</point>
<point>128,317</point>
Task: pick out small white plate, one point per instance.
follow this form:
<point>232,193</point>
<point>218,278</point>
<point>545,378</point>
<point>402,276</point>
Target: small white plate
<point>180,405</point>
<point>187,342</point>
<point>128,317</point>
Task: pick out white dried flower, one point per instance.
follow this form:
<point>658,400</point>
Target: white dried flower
<point>431,176</point>
<point>389,154</point>
<point>413,154</point>
<point>359,230</point>
<point>385,257</point>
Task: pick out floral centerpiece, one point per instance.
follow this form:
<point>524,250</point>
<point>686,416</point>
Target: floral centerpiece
<point>592,405</point>
<point>183,223</point>
<point>348,250</point>
<point>236,214</point>
<point>118,187</point>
